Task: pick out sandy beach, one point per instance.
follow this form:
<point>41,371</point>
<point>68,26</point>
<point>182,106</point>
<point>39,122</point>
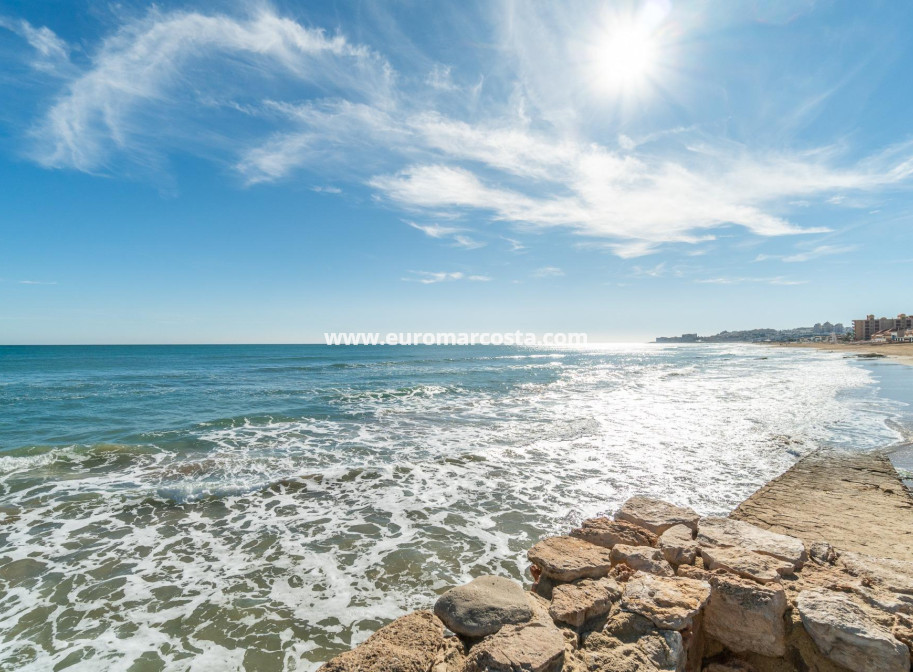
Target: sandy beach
<point>901,352</point>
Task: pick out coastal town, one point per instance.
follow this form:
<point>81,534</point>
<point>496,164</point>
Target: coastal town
<point>873,330</point>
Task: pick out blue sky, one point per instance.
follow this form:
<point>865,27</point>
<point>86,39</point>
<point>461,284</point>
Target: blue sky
<point>266,172</point>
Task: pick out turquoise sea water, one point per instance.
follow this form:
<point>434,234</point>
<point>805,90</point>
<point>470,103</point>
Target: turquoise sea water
<point>263,507</point>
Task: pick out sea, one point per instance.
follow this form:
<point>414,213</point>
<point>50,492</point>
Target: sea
<point>247,507</point>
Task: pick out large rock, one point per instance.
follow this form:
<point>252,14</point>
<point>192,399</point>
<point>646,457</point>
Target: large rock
<point>533,647</point>
<point>576,603</point>
<point>847,636</point>
<point>656,515</point>
<point>408,644</point>
<point>678,545</point>
<point>671,603</point>
<point>642,558</point>
<point>483,605</point>
<point>632,643</point>
<point>608,533</point>
<point>746,616</point>
<point>903,631</point>
<point>728,532</point>
<point>895,576</point>
<point>747,564</point>
<point>567,559</point>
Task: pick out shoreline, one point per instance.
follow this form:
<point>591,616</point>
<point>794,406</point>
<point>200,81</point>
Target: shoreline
<point>902,353</point>
<point>785,582</point>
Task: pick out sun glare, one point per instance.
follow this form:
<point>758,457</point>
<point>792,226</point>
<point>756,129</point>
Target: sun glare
<point>625,49</point>
<point>625,57</point>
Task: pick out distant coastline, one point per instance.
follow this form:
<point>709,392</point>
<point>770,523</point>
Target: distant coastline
<point>898,352</point>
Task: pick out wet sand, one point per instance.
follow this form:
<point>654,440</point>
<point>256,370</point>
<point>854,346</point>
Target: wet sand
<point>899,352</point>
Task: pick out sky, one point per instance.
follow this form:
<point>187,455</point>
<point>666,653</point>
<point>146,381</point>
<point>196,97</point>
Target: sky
<point>216,172</point>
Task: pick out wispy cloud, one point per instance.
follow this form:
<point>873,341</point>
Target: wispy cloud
<point>37,282</point>
<point>326,189</point>
<point>435,230</point>
<point>467,243</point>
<point>519,160</point>
<point>777,280</point>
<point>814,253</point>
<point>548,272</point>
<point>433,277</point>
<point>52,53</point>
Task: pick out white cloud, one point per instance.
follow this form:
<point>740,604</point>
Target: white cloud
<point>53,55</point>
<point>515,245</point>
<point>808,255</point>
<point>777,280</point>
<point>467,243</point>
<point>548,272</point>
<point>434,277</point>
<point>435,230</point>
<point>820,251</point>
<point>523,160</point>
<point>144,66</point>
<point>326,190</point>
<point>36,282</point>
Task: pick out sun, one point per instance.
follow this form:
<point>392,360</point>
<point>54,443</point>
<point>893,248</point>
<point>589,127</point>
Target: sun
<point>625,51</point>
<point>624,57</point>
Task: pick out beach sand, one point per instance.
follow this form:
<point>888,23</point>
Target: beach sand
<point>900,352</point>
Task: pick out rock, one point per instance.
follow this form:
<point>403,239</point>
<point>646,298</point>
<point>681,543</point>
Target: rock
<point>656,515</point>
<point>729,666</point>
<point>671,603</point>
<point>631,643</point>
<point>823,553</point>
<point>724,532</point>
<point>846,634</point>
<point>451,657</point>
<point>746,616</point>
<point>568,559</point>
<point>576,603</point>
<point>532,647</point>
<point>643,558</point>
<point>903,631</point>
<point>482,606</point>
<point>678,545</point>
<point>888,574</point>
<point>692,572</point>
<point>747,564</point>
<point>408,644</point>
<point>608,533</point>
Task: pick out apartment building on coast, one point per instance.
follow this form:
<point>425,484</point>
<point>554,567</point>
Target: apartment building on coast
<point>883,328</point>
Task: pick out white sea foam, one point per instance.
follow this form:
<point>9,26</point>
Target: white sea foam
<point>289,539</point>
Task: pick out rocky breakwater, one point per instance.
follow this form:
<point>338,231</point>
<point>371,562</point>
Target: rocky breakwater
<point>659,588</point>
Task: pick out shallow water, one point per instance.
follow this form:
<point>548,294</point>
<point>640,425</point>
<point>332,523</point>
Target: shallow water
<point>264,507</point>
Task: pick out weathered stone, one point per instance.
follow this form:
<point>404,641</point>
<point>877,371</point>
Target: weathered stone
<point>724,532</point>
<point>608,533</point>
<point>823,553</point>
<point>451,657</point>
<point>888,574</point>
<point>532,647</point>
<point>746,616</point>
<point>678,545</point>
<point>903,631</point>
<point>692,572</point>
<point>483,605</point>
<point>631,643</point>
<point>729,666</point>
<point>671,603</point>
<point>408,644</point>
<point>576,603</point>
<point>747,564</point>
<point>656,515</point>
<point>846,634</point>
<point>642,558</point>
<point>568,559</point>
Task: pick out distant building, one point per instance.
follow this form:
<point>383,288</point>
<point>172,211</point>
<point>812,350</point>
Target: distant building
<point>865,330</point>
